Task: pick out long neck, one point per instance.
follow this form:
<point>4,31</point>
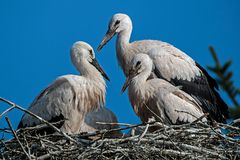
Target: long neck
<point>138,88</point>
<point>139,81</point>
<point>89,71</point>
<point>122,47</point>
<point>123,37</point>
<point>94,88</point>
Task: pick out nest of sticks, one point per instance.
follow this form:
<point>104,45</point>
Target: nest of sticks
<point>195,140</point>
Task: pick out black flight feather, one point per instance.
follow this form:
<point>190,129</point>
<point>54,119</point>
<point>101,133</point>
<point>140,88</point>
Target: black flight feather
<point>58,122</point>
<point>202,89</point>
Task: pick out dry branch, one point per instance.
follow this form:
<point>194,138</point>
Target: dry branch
<point>195,140</point>
<point>16,137</point>
<point>36,116</point>
<point>191,142</point>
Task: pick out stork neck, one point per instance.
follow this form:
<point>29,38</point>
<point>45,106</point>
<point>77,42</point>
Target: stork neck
<point>89,71</point>
<point>140,79</point>
<point>122,47</point>
<point>123,39</point>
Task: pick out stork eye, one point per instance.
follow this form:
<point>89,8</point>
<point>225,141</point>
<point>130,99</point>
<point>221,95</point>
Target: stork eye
<point>138,63</point>
<point>117,22</point>
<point>91,52</point>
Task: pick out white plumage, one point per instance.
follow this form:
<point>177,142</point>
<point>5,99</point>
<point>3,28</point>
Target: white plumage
<point>104,115</point>
<point>170,63</point>
<point>156,97</point>
<point>71,97</point>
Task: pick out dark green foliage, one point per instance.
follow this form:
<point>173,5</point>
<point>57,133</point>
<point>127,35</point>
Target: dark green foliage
<point>224,79</point>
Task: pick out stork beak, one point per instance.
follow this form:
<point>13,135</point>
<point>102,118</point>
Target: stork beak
<point>108,36</point>
<point>99,68</point>
<point>131,75</point>
<point>126,84</point>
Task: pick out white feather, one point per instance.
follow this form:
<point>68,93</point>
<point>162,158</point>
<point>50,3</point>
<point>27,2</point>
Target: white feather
<point>158,98</point>
<point>72,96</point>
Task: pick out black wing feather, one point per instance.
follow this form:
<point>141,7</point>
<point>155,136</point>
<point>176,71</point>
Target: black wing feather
<point>58,122</point>
<point>212,82</point>
<point>202,88</point>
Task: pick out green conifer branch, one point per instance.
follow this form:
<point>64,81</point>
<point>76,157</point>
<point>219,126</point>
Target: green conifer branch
<point>224,79</point>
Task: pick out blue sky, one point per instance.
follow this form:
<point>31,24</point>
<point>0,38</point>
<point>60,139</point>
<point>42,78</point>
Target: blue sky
<point>36,36</point>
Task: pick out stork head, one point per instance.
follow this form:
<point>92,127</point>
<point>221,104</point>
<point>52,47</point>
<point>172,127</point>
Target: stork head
<point>118,23</point>
<point>140,64</point>
<point>82,52</point>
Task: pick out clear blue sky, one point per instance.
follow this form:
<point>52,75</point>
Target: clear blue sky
<point>36,36</point>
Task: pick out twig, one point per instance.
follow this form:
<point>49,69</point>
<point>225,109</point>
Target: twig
<point>200,118</point>
<point>29,152</point>
<point>161,120</point>
<point>104,131</point>
<point>229,126</point>
<point>191,123</point>
<point>15,135</point>
<point>190,147</point>
<point>225,137</point>
<point>174,153</point>
<point>6,130</point>
<point>39,118</point>
<point>129,126</point>
<point>39,127</point>
<point>143,134</point>
<point>236,121</point>
<point>112,123</point>
<point>48,155</point>
<point>6,111</point>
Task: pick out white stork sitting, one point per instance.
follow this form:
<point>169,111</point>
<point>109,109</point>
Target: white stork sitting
<point>170,63</point>
<point>158,98</point>
<point>72,97</point>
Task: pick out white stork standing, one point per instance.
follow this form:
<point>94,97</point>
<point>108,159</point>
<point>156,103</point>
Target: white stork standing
<point>170,63</point>
<point>72,97</point>
<point>156,97</point>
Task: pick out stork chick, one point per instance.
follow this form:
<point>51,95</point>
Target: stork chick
<point>170,63</point>
<point>156,97</point>
<point>71,97</point>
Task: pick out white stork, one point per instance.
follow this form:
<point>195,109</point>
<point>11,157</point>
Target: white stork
<point>170,63</point>
<point>92,122</point>
<point>156,97</point>
<point>72,97</point>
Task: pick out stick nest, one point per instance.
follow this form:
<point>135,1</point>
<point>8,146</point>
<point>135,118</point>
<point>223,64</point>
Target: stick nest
<point>190,141</point>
